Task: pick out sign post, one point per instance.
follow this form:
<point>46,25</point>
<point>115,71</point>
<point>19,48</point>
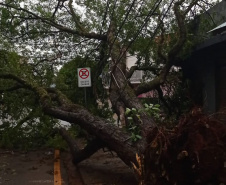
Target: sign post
<point>84,79</point>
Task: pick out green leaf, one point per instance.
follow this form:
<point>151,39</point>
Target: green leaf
<point>138,136</point>
<point>151,105</point>
<point>134,110</point>
<point>157,105</point>
<point>127,111</point>
<point>156,109</point>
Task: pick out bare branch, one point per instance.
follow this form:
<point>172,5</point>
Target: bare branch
<point>55,11</point>
<point>192,4</point>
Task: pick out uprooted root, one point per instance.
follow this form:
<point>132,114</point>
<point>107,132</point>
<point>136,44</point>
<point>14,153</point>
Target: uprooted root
<point>193,153</point>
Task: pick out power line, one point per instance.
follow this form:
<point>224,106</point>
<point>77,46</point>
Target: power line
<point>105,16</point>
<point>123,22</point>
<point>150,13</point>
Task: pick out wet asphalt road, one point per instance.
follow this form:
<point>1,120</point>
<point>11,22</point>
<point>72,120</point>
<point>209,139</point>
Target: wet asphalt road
<point>28,168</point>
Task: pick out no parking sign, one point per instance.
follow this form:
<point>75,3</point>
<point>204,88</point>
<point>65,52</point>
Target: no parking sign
<point>84,77</point>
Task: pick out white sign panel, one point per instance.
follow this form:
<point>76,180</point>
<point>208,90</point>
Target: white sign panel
<point>84,77</point>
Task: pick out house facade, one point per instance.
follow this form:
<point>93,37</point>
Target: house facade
<point>206,68</point>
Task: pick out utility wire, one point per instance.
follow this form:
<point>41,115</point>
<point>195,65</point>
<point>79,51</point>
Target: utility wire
<point>105,16</point>
<point>151,12</point>
<point>113,10</point>
<point>160,24</point>
<point>123,22</point>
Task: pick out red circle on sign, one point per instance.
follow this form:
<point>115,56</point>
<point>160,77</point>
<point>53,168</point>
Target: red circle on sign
<point>84,73</point>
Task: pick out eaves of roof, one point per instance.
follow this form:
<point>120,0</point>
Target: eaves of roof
<point>207,52</point>
<point>218,39</point>
<point>220,27</point>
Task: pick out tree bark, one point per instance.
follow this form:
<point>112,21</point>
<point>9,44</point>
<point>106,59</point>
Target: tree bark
<point>115,138</point>
<point>78,154</point>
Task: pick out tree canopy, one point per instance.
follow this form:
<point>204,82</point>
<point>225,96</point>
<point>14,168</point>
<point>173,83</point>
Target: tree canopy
<point>49,38</point>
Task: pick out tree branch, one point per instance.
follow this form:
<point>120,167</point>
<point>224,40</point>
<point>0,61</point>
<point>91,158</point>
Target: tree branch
<point>161,41</point>
<point>182,32</point>
<point>26,118</point>
<point>41,92</point>
<point>143,68</point>
<point>50,22</point>
<point>59,97</point>
<point>78,154</point>
<point>13,88</point>
<point>192,4</point>
<point>158,80</point>
<point>161,97</point>
<point>55,11</point>
<point>172,54</point>
<point>75,17</point>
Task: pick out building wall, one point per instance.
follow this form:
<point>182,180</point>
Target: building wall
<point>137,75</point>
<point>207,65</point>
<point>209,89</point>
<point>221,88</point>
<point>201,73</point>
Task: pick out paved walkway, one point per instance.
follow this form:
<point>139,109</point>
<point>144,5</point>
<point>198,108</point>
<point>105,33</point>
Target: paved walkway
<point>31,168</point>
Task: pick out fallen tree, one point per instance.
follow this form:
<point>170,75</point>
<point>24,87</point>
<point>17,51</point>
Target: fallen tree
<point>182,155</point>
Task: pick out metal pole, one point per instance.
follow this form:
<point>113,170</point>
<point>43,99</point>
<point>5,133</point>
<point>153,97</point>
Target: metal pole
<point>85,97</point>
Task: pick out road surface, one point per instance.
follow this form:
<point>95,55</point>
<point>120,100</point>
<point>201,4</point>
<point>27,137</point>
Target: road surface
<point>31,168</point>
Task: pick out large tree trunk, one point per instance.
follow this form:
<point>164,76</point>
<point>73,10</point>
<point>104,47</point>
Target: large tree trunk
<point>122,95</point>
<point>113,137</point>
